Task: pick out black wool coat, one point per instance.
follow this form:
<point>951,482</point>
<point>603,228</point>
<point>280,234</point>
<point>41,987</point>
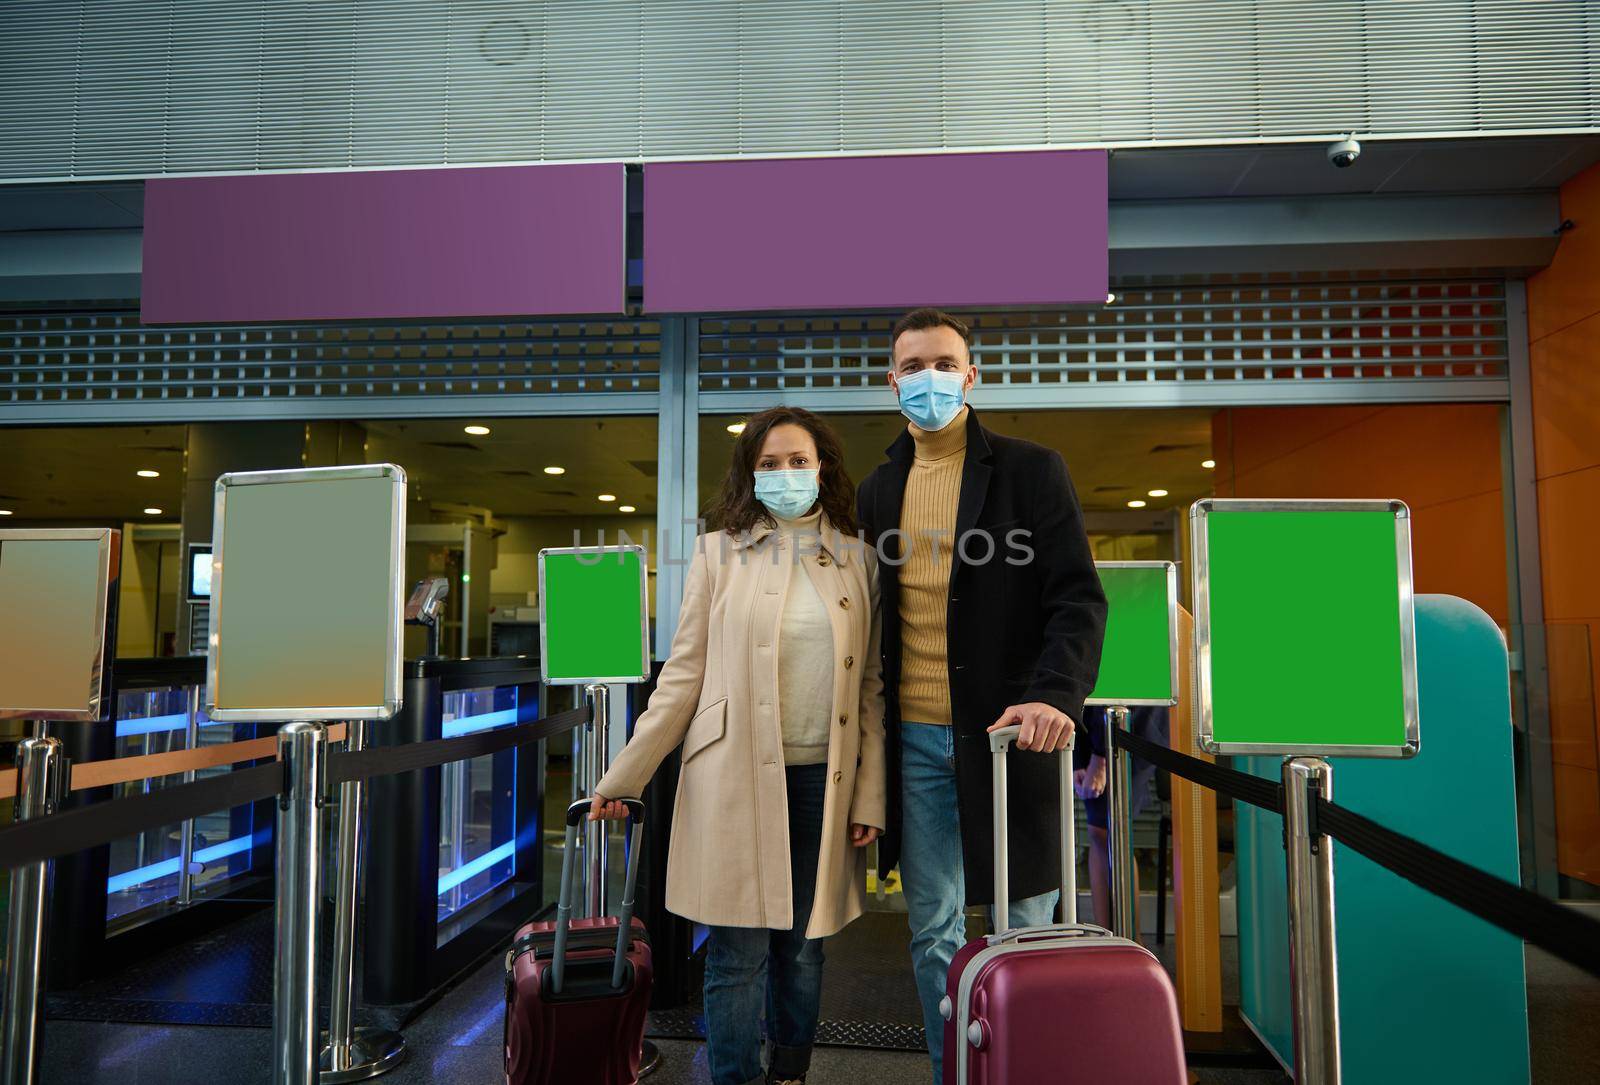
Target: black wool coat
<point>1018,630</point>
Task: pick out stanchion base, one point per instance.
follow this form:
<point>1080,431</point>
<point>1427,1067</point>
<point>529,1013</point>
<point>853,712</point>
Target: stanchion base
<point>372,1051</point>
<point>649,1059</point>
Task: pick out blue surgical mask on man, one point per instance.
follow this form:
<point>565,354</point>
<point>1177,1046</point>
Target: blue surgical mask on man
<point>931,399</point>
<point>788,495</point>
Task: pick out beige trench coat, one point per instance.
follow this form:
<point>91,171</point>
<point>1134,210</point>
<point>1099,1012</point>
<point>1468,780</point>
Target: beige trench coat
<point>718,695</point>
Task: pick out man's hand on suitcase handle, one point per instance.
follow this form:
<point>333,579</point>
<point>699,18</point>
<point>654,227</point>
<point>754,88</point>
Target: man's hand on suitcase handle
<point>1044,729</point>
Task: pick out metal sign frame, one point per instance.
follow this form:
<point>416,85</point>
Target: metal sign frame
<point>1198,514</point>
<point>108,566</point>
<point>601,553</point>
<point>396,577</point>
<point>1172,635</point>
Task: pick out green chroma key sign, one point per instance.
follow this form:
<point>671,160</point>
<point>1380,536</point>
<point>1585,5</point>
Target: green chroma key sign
<point>1139,662</point>
<point>593,619</point>
<point>1304,623</point>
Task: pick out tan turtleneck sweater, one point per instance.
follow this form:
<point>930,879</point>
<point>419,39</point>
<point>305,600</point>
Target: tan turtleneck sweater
<point>928,518</point>
<point>805,654</point>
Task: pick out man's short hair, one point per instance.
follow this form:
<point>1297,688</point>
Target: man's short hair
<point>922,319</point>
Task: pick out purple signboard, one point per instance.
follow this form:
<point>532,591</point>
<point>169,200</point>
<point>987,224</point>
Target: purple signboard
<point>1008,229</point>
<point>502,241</point>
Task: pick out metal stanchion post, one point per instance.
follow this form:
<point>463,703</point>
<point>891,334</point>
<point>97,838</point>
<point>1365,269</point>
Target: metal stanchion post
<point>41,784</point>
<point>1119,804</point>
<point>350,1053</point>
<point>302,747</point>
<point>191,739</point>
<point>595,836</point>
<point>1313,954</point>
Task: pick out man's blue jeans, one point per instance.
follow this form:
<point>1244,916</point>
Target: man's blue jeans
<point>739,959</point>
<point>931,870</point>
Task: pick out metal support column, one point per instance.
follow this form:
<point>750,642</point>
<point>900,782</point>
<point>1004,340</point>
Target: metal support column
<point>41,783</point>
<point>350,1053</point>
<point>1119,804</point>
<point>1313,953</point>
<point>678,478</point>
<point>302,747</point>
<point>596,837</point>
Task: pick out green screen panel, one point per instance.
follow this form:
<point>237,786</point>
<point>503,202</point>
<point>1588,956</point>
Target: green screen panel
<point>592,615</point>
<point>305,596</point>
<point>1304,625</point>
<point>1136,663</point>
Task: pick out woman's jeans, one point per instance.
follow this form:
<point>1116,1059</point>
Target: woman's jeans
<point>932,872</point>
<point>748,968</point>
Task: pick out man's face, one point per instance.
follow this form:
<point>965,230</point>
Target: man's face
<point>939,348</point>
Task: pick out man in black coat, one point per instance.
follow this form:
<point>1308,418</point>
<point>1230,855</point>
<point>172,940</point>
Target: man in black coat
<point>993,615</point>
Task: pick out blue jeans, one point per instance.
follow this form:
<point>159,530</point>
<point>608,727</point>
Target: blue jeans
<point>931,870</point>
<point>749,966</point>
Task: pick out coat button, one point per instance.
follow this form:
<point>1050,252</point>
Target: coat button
<point>823,560</point>
<point>849,661</point>
<point>838,776</point>
<point>845,603</point>
<point>843,720</point>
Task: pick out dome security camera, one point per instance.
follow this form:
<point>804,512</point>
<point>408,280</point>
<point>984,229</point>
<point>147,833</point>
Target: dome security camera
<point>1344,153</point>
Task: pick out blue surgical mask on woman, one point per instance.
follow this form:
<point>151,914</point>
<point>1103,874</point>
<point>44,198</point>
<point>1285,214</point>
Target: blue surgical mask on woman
<point>788,495</point>
<point>931,399</point>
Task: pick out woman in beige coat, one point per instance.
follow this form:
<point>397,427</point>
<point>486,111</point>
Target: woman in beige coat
<point>774,690</point>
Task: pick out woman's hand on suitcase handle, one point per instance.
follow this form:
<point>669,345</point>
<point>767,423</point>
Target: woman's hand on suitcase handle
<point>604,809</point>
<point>1044,728</point>
<point>862,835</point>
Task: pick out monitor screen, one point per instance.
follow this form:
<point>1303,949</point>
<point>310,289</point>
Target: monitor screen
<point>199,589</point>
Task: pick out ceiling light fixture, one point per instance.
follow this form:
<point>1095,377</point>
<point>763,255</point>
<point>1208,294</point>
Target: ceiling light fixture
<point>1209,465</point>
<point>147,473</point>
<point>1136,504</point>
<point>607,497</point>
<point>5,512</point>
<point>478,431</point>
<point>1158,493</point>
<point>736,429</point>
<point>626,508</point>
<point>152,512</point>
<point>553,470</point>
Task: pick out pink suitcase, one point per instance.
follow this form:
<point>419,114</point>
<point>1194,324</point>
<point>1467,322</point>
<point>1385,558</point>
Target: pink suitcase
<point>1064,1003</point>
<point>577,992</point>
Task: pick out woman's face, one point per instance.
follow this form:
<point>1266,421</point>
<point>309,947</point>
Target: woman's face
<point>788,447</point>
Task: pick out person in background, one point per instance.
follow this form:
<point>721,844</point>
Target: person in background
<point>993,616</point>
<point>1089,780</point>
<point>773,689</point>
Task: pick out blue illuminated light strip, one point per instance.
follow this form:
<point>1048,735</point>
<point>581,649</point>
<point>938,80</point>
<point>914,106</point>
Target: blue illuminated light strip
<point>151,724</point>
<point>465,725</point>
<point>167,867</point>
<point>477,866</point>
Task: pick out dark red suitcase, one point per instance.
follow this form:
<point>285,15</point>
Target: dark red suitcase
<point>1063,1003</point>
<point>577,990</point>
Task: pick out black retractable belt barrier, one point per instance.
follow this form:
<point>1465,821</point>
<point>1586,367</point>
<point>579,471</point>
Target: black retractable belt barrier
<point>90,826</point>
<point>386,760</point>
<point>1552,927</point>
<point>75,830</point>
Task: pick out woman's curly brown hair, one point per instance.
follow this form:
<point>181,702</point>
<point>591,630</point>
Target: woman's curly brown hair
<point>736,508</point>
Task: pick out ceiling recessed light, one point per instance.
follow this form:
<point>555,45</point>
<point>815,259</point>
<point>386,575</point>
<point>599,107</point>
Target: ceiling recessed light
<point>736,428</point>
<point>1209,465</point>
<point>1136,504</point>
<point>552,470</point>
<point>5,512</point>
<point>1158,493</point>
<point>626,508</point>
<point>607,497</point>
<point>152,512</point>
<point>478,431</point>
<point>147,473</point>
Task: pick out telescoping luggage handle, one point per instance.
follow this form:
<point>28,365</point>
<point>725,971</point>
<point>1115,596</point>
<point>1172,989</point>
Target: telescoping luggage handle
<point>999,742</point>
<point>575,815</point>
